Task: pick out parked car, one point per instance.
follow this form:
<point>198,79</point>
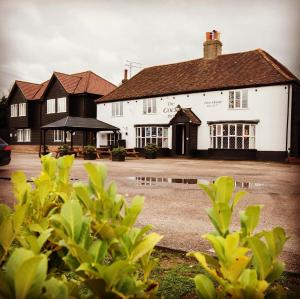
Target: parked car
<point>5,151</point>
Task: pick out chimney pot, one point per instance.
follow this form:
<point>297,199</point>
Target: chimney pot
<point>125,76</point>
<point>212,47</point>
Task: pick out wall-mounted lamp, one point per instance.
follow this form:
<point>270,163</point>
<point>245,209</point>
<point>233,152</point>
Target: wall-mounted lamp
<point>178,108</point>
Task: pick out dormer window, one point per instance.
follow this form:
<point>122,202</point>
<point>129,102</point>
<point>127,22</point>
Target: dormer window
<point>238,99</point>
<point>50,106</point>
<point>22,109</point>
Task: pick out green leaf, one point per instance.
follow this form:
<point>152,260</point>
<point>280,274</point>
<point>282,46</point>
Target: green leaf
<point>209,189</point>
<point>249,219</point>
<point>20,186</point>
<point>145,246</point>
<point>275,239</point>
<point>277,270</point>
<point>238,196</point>
<point>205,287</point>
<point>225,187</point>
<point>97,175</point>
<point>55,289</point>
<point>71,212</point>
<point>262,257</point>
<point>30,277</point>
<point>133,211</point>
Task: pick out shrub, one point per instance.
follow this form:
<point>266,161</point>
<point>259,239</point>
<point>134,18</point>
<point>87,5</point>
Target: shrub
<point>89,149</point>
<point>151,148</point>
<point>64,149</point>
<point>246,263</point>
<point>73,240</point>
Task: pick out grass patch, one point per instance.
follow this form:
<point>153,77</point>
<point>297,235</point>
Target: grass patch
<point>175,272</point>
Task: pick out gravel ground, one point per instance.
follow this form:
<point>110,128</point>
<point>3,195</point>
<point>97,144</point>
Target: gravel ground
<point>176,206</point>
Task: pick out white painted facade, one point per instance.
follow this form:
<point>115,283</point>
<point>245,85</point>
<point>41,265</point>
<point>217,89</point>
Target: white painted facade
<point>267,104</point>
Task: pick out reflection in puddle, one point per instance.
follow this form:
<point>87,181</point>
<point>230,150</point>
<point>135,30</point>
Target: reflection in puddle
<point>152,181</point>
<point>28,181</point>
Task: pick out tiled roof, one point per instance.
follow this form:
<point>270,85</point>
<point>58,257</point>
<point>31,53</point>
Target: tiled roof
<point>85,82</point>
<point>28,89</point>
<point>238,70</point>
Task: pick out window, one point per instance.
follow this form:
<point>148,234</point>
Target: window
<point>238,99</point>
<point>112,138</point>
<point>22,109</point>
<point>61,105</point>
<point>14,110</point>
<point>156,135</point>
<point>117,109</point>
<point>232,136</point>
<point>149,106</point>
<point>59,136</point>
<point>23,135</point>
<point>50,106</point>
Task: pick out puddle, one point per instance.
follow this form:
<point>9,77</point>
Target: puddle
<point>152,181</point>
<point>28,181</point>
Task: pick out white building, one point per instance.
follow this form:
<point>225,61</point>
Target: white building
<point>239,106</point>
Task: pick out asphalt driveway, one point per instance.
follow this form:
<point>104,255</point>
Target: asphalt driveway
<point>176,206</point>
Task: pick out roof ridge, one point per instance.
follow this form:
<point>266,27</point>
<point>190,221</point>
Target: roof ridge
<point>87,82</point>
<point>66,74</point>
<point>27,82</point>
<point>272,63</point>
<point>102,78</point>
<point>191,60</point>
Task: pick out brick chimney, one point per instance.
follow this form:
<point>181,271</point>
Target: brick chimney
<point>125,76</point>
<point>212,47</point>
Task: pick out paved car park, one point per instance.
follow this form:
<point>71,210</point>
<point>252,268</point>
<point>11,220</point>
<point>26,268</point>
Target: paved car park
<point>176,206</point>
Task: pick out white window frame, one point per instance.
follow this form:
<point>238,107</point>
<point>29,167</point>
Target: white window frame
<point>218,136</point>
<point>51,106</point>
<point>23,135</point>
<point>111,140</point>
<point>61,105</point>
<point>151,134</point>
<point>58,136</point>
<point>149,106</point>
<point>14,110</point>
<point>238,99</point>
<point>22,109</point>
<point>117,109</point>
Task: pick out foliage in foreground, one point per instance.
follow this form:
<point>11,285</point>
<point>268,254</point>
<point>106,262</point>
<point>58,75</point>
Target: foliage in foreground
<point>246,263</point>
<point>63,239</point>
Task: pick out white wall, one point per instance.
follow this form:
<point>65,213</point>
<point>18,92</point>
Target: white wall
<point>266,104</point>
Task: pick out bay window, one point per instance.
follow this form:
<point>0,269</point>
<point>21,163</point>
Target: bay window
<point>151,134</point>
<point>232,136</point>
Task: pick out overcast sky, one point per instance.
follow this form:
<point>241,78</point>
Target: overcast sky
<point>39,37</point>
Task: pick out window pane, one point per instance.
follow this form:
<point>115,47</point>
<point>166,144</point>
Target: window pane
<point>219,142</point>
<point>239,130</point>
<point>246,130</point>
<point>232,142</point>
<point>165,132</point>
<point>237,95</point>
<point>246,142</point>
<point>231,129</point>
<point>225,130</point>
<point>153,131</point>
<point>225,142</point>
<point>153,105</point>
<point>121,108</point>
<point>214,142</point>
<point>144,106</point>
<point>237,103</point>
<point>159,142</point>
<point>153,140</point>
<point>252,143</point>
<point>147,131</point>
<point>219,130</point>
<point>159,132</point>
<point>245,99</point>
<point>252,130</point>
<point>214,130</point>
<point>239,142</point>
<point>148,140</point>
<point>165,142</point>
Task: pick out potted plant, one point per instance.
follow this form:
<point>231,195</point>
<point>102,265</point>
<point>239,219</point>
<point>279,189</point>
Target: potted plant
<point>44,151</point>
<point>63,150</point>
<point>90,152</point>
<point>150,151</point>
<point>118,153</point>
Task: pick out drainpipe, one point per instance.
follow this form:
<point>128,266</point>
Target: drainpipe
<point>287,120</point>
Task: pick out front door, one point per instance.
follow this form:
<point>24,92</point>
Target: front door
<point>180,140</point>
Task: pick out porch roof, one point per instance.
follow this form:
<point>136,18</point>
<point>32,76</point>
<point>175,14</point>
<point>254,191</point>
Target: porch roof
<point>73,123</point>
